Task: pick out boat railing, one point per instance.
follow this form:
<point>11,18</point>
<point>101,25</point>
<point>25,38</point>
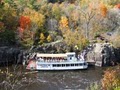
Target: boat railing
<point>57,60</point>
<point>52,60</point>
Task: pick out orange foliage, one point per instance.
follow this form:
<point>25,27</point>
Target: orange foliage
<point>117,6</point>
<point>103,9</point>
<point>64,22</point>
<point>111,79</point>
<point>24,22</point>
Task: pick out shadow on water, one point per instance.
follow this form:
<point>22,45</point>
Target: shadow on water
<point>60,80</point>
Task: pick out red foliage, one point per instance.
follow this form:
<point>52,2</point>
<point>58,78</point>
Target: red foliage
<point>24,22</point>
<point>1,26</point>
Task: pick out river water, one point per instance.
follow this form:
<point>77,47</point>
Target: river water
<point>55,80</point>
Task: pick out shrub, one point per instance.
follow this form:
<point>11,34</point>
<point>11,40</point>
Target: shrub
<point>7,37</point>
<point>111,79</point>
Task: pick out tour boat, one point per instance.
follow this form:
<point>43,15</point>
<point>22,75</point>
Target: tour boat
<point>67,61</point>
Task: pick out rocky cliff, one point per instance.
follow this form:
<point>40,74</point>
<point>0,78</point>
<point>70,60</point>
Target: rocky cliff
<point>11,55</point>
<point>102,54</point>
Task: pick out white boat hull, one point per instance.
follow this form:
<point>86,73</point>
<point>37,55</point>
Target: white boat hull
<point>66,61</point>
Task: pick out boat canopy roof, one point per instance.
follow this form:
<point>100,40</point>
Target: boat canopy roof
<point>51,55</point>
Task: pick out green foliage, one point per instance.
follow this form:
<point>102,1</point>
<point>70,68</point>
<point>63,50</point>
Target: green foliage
<point>7,37</point>
<point>94,86</point>
<point>56,12</point>
<point>9,15</point>
<point>27,38</point>
<point>117,88</point>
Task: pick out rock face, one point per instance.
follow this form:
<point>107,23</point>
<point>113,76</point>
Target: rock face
<point>54,47</point>
<point>10,54</point>
<point>102,54</point>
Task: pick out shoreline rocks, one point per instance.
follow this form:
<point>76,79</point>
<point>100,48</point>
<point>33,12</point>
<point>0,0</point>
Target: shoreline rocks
<point>103,54</point>
<point>99,54</point>
<point>11,54</point>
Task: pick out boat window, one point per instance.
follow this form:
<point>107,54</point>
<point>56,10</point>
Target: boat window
<point>67,65</point>
<point>84,63</point>
<point>76,64</point>
<point>58,65</point>
<point>63,65</point>
<point>72,64</point>
<point>54,65</point>
<point>80,64</point>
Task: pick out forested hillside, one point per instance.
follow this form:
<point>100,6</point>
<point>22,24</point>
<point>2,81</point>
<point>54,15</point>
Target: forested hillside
<point>77,22</point>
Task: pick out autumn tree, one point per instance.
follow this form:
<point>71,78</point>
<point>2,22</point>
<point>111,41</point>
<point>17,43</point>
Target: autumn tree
<point>111,79</point>
<point>25,37</point>
<point>56,12</point>
<point>49,38</point>
<point>87,15</point>
<point>25,22</point>
<point>37,19</point>
<point>103,10</point>
<point>63,24</point>
<point>73,38</point>
<point>42,38</point>
<point>37,22</point>
<point>46,9</point>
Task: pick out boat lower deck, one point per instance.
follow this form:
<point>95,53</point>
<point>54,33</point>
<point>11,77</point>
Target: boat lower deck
<point>61,66</point>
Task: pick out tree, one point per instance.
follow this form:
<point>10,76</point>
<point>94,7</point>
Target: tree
<point>9,15</point>
<point>56,12</point>
<point>49,38</point>
<point>63,24</point>
<point>37,19</point>
<point>42,38</point>
<point>87,15</point>
<point>27,38</point>
<point>103,10</point>
<point>1,26</point>
<point>25,22</point>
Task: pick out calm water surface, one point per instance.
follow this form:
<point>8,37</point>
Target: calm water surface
<point>60,80</point>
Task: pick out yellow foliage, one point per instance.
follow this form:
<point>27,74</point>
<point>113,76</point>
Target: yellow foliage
<point>42,38</point>
<point>49,38</point>
<point>74,38</point>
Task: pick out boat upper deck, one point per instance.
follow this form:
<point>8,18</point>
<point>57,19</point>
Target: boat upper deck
<point>55,58</point>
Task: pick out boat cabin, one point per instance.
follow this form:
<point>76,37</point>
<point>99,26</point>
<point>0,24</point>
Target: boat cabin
<point>55,57</point>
